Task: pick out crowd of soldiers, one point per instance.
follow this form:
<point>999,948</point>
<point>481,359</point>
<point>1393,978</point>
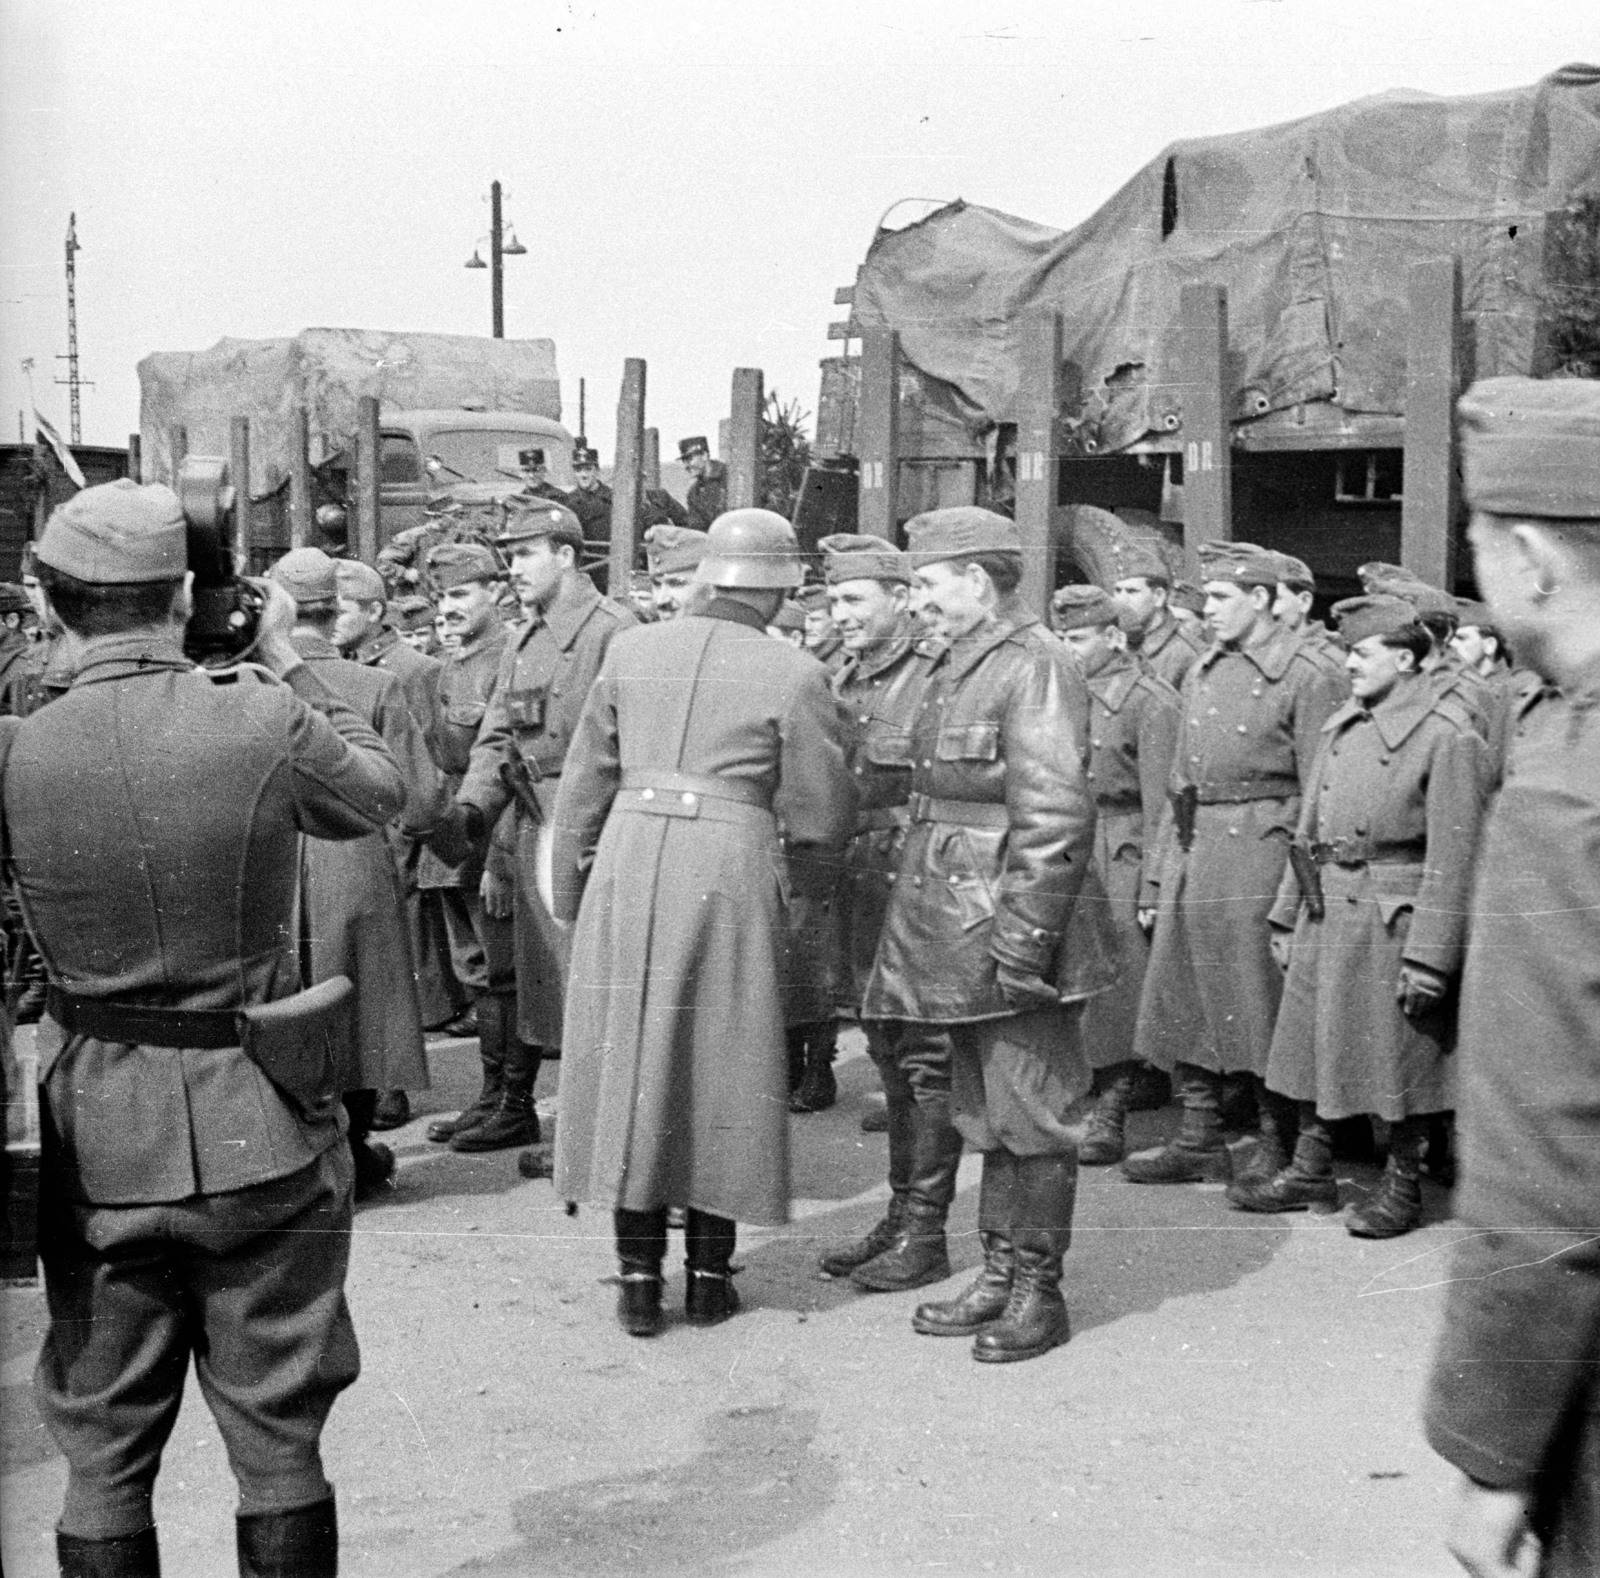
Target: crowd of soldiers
<point>1056,869</point>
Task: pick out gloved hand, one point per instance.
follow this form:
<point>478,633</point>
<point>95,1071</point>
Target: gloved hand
<point>457,833</point>
<point>1282,944</point>
<point>1022,989</point>
<point>1420,990</point>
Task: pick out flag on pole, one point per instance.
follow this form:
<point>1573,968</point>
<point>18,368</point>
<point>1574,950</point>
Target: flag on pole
<point>48,433</point>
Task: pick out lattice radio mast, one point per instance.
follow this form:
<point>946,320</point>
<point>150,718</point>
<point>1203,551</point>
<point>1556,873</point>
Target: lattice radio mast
<point>75,385</point>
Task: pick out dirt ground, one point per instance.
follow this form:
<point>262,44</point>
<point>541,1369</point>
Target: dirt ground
<point>1240,1395</point>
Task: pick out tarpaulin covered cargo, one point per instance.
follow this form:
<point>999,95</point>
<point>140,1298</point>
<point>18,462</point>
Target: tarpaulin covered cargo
<point>327,371</point>
<point>1311,226</point>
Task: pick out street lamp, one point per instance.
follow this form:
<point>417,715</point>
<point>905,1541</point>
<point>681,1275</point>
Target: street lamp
<point>503,243</point>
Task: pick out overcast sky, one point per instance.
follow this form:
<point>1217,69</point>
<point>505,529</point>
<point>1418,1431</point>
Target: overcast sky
<point>691,179</point>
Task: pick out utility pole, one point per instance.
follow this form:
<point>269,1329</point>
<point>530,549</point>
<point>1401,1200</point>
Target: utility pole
<point>72,381</point>
<point>502,245</point>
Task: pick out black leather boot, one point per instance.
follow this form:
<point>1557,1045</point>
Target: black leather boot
<point>1035,1318</point>
<point>1308,1179</point>
<point>818,1090</point>
<point>919,1254</point>
<point>496,1017</point>
<point>513,1123</point>
<point>842,1259</point>
<point>1277,1125</point>
<point>641,1247</point>
<point>1103,1141</point>
<point>1198,1154</point>
<point>393,1110</point>
<point>374,1162</point>
<point>708,1295</point>
<point>126,1556</point>
<point>303,1543</point>
<point>985,1298</point>
<point>1396,1207</point>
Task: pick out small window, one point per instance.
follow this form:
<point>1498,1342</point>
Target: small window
<point>1372,476</point>
<point>398,460</point>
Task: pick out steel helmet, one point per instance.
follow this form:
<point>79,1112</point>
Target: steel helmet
<point>756,549</point>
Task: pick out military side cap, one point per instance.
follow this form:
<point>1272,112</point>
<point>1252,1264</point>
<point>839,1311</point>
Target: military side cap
<point>308,575</point>
<point>790,616</point>
<point>1377,614</point>
<point>848,556</point>
<point>814,599</point>
<point>445,506</point>
<point>1141,560</point>
<point>582,455</point>
<point>13,600</point>
<point>530,457</point>
<point>457,563</point>
<point>1243,563</point>
<point>692,446</point>
<point>537,518</point>
<point>1083,607</point>
<point>1477,615</point>
<point>117,534</point>
<point>1185,594</point>
<point>671,550</point>
<point>1294,572</point>
<point>1391,580</point>
<point>411,613</point>
<point>1532,447</point>
<point>359,582</point>
<point>959,533</point>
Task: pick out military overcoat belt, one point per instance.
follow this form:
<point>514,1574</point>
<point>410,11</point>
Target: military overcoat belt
<point>958,813</point>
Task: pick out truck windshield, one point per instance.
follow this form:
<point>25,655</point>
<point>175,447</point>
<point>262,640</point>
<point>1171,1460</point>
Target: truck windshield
<point>482,455</point>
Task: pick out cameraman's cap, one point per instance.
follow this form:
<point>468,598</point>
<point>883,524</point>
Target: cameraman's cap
<point>1243,563</point>
<point>457,563</point>
<point>359,582</point>
<point>13,600</point>
<point>530,457</point>
<point>411,613</point>
<point>1141,561</point>
<point>1376,615</point>
<point>308,575</point>
<point>117,534</point>
<point>959,533</point>
<point>692,446</point>
<point>1532,447</point>
<point>847,556</point>
<point>541,518</point>
<point>671,550</point>
<point>1083,608</point>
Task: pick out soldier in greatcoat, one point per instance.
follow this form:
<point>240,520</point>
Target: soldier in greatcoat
<point>1251,716</point>
<point>879,688</point>
<point>1132,729</point>
<point>545,673</point>
<point>672,555</point>
<point>708,492</point>
<point>1514,1398</point>
<point>1292,602</point>
<point>196,1200</point>
<point>590,500</point>
<point>352,919</point>
<point>1000,841</point>
<point>1166,645</point>
<point>699,740</point>
<point>1371,921</point>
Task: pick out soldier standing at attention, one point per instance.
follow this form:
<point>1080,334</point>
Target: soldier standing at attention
<point>673,554</point>
<point>478,903</point>
<point>1001,837</point>
<point>545,672</point>
<point>1370,921</point>
<point>1514,1400</point>
<point>1164,644</point>
<point>698,740</point>
<point>1291,605</point>
<point>1133,724</point>
<point>1252,711</point>
<point>821,639</point>
<point>196,1198</point>
<point>708,493</point>
<point>352,920</point>
<point>536,484</point>
<point>590,501</point>
<point>879,688</point>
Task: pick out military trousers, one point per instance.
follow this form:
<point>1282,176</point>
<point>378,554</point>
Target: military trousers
<point>250,1285</point>
<point>482,948</point>
<point>912,1059</point>
<point>543,944</point>
<point>1014,1081</point>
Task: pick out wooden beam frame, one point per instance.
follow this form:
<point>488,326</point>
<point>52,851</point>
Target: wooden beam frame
<point>627,477</point>
<point>368,498</point>
<point>1039,457</point>
<point>1431,490</point>
<point>744,449</point>
<point>878,423</point>
<point>1207,421</point>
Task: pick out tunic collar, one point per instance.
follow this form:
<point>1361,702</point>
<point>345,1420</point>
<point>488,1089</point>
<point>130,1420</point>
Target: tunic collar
<point>376,647</point>
<point>312,647</point>
<point>118,657</point>
<point>486,637</point>
<point>1112,686</point>
<point>575,599</point>
<point>1272,656</point>
<point>883,655</point>
<point>734,612</point>
<point>964,655</point>
<point>1396,717</point>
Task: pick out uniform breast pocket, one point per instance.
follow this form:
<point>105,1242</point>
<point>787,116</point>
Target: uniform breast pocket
<point>969,742</point>
<point>525,709</point>
<point>465,715</point>
<point>886,747</point>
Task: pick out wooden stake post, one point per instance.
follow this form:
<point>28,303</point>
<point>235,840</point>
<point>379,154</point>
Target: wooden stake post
<point>239,475</point>
<point>1039,457</point>
<point>300,510</point>
<point>626,479</point>
<point>1431,491</point>
<point>650,463</point>
<point>1207,428</point>
<point>879,419</point>
<point>744,461</point>
<point>364,516</point>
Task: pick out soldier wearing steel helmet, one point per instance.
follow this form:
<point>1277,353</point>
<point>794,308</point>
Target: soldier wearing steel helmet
<point>707,758</point>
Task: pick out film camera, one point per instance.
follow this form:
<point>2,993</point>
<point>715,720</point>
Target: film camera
<point>227,606</point>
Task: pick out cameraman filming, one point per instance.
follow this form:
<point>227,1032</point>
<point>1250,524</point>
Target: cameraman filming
<point>196,1197</point>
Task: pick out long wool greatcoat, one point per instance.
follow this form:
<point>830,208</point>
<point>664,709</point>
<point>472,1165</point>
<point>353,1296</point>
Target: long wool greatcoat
<point>993,743</point>
<point>674,1075</point>
<point>1133,722</point>
<point>1400,790</point>
<point>1248,731</point>
<point>352,905</point>
<point>1514,1398</point>
<point>545,674</point>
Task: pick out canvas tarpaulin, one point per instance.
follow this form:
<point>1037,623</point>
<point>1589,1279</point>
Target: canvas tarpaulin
<point>327,371</point>
<point>1310,226</point>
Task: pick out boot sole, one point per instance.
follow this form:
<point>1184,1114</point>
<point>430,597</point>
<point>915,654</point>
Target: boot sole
<point>927,1279</point>
<point>1017,1355</point>
<point>515,1142</point>
<point>928,1329</point>
<point>1219,1171</point>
